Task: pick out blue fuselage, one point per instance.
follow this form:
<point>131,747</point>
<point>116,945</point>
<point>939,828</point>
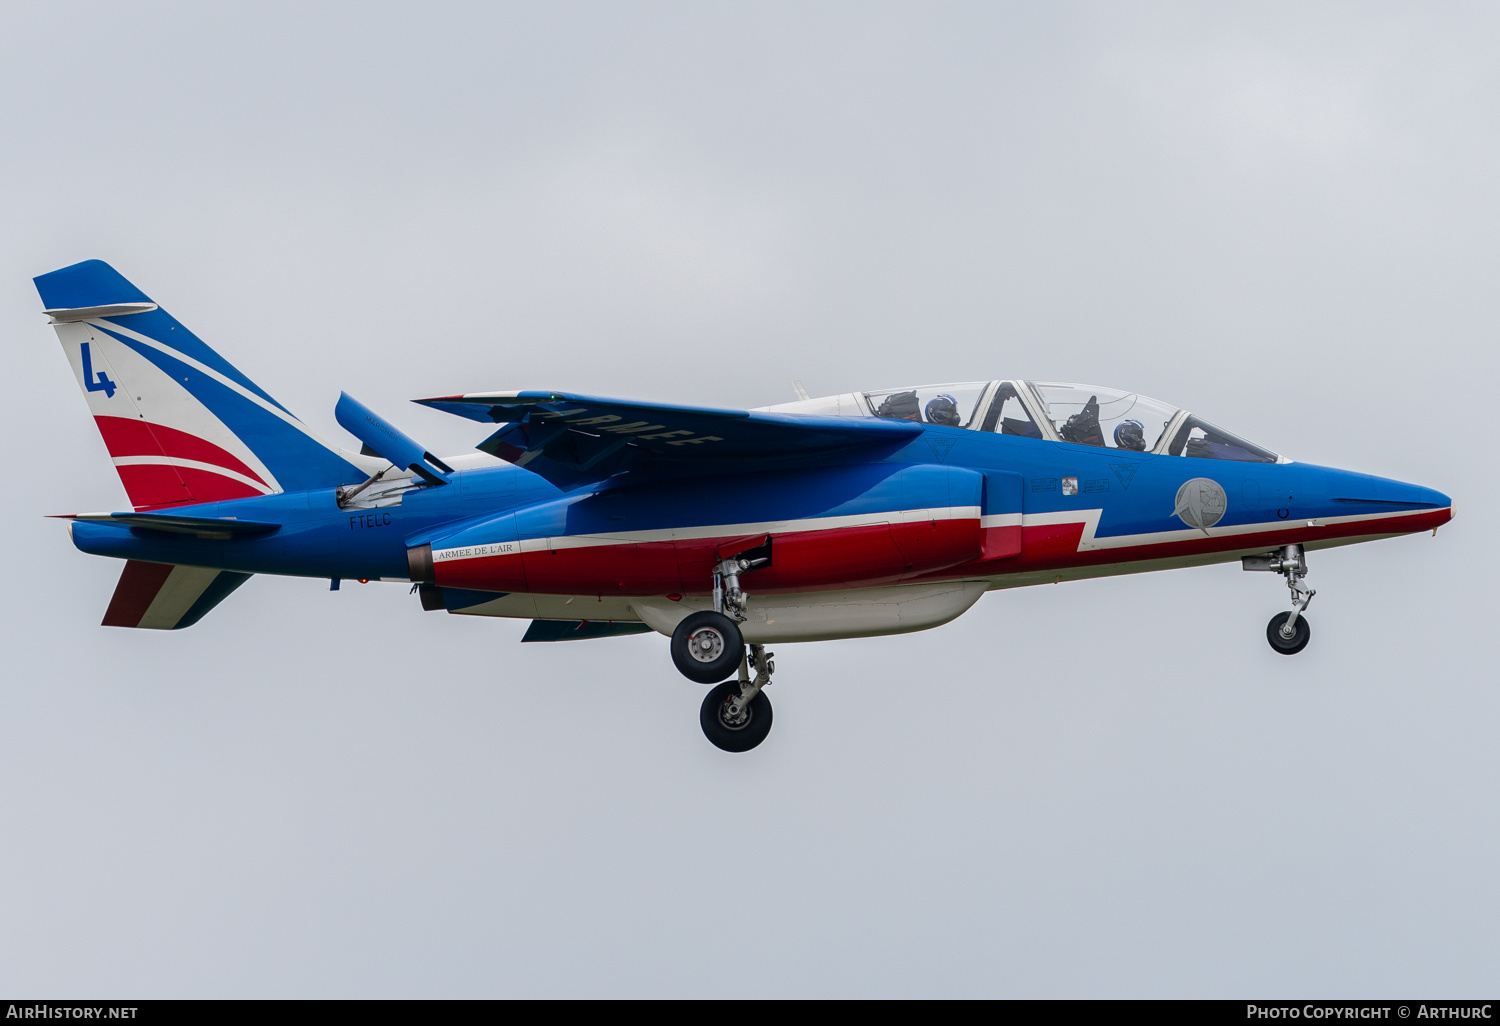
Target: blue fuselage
<point>1134,497</point>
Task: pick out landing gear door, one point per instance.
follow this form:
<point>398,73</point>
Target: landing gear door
<point>1000,515</point>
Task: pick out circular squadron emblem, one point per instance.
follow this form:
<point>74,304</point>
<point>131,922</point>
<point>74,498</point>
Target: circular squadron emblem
<point>1201,503</point>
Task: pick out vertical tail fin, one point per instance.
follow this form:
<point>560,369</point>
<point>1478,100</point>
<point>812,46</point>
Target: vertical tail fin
<point>180,422</point>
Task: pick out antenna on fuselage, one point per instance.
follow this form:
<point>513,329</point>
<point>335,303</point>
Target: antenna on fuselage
<point>800,388</point>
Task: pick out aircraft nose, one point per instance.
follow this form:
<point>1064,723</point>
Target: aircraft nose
<point>1431,496</point>
<point>1380,492</point>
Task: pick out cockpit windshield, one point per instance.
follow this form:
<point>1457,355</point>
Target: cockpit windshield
<point>946,405</point>
<point>1056,411</point>
<point>1086,415</point>
<point>1197,437</point>
<point>1109,418</point>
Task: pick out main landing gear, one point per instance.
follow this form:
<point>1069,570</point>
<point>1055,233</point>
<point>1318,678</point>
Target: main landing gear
<point>1287,632</point>
<point>736,715</point>
<point>707,647</point>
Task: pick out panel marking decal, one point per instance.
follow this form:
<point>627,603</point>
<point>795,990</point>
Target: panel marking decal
<point>1201,503</point>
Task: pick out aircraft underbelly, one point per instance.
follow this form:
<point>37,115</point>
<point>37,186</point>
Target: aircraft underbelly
<point>773,618</point>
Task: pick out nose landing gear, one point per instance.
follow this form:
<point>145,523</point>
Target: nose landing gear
<point>1287,635</point>
<point>1287,632</point>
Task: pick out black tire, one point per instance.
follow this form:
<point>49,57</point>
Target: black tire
<point>1301,634</point>
<point>731,738</point>
<point>707,647</point>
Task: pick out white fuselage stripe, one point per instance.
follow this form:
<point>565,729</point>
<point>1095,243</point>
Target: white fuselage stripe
<point>1089,518</point>
<point>579,541</point>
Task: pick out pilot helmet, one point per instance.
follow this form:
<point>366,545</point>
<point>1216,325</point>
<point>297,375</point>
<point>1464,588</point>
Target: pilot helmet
<point>1130,434</point>
<point>943,409</point>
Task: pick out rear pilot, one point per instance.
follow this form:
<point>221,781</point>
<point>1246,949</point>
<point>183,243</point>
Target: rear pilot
<point>943,410</point>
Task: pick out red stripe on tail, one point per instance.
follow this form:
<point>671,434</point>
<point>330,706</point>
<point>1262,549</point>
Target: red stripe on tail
<point>152,486</point>
<point>124,437</point>
<point>161,487</point>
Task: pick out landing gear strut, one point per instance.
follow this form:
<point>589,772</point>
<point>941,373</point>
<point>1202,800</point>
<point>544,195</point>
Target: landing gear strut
<point>707,646</point>
<point>1287,632</point>
<point>736,715</point>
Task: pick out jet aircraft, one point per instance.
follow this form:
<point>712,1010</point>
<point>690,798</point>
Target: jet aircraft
<point>727,531</point>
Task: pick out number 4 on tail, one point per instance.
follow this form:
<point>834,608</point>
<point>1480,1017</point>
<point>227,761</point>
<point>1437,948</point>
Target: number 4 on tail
<point>95,382</point>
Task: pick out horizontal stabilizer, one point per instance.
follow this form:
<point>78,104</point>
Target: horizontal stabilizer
<point>575,439</point>
<point>162,597</point>
<point>198,527</point>
<point>84,313</point>
<point>580,630</point>
<point>387,441</point>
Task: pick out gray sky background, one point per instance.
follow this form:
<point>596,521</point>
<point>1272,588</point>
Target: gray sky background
<point>1282,216</point>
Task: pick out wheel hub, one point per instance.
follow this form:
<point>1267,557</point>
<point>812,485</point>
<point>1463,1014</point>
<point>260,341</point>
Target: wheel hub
<point>731,722</point>
<point>706,644</point>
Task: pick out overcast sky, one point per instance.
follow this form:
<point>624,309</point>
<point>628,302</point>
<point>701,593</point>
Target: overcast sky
<point>1282,216</point>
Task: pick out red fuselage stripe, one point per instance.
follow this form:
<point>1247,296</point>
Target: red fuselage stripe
<point>867,556</point>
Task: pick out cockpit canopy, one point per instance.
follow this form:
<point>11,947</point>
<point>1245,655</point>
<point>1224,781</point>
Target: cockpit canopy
<point>1049,410</point>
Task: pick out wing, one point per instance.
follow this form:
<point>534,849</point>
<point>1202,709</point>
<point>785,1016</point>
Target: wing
<point>580,630</point>
<point>222,528</point>
<point>576,439</point>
